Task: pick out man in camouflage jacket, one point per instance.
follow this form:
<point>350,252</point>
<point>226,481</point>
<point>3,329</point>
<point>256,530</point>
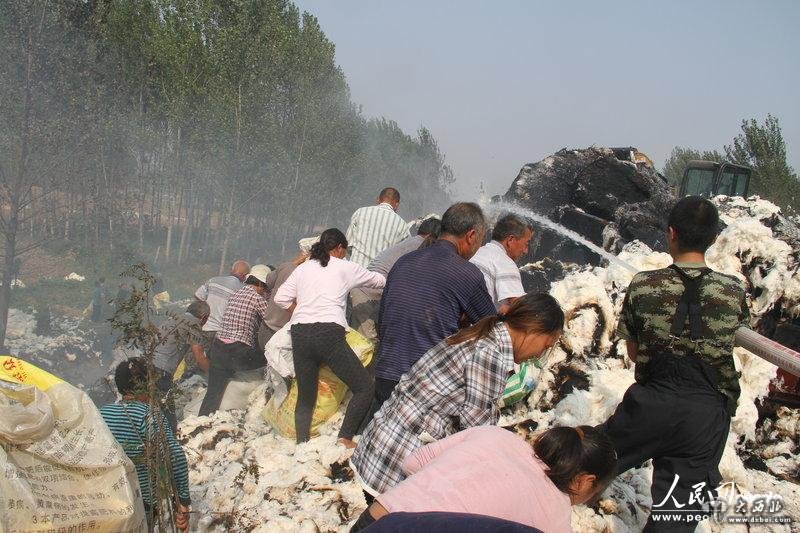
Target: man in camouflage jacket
<point>678,411</point>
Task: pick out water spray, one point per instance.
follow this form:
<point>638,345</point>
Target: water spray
<point>769,350</point>
<point>558,228</point>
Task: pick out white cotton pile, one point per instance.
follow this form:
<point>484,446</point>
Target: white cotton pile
<point>576,293</point>
<point>747,249</point>
<point>781,443</point>
<point>72,276</point>
<point>594,406</point>
<point>747,242</point>
<point>243,476</point>
<point>24,343</point>
<point>20,324</point>
<point>734,207</point>
<point>754,382</point>
<point>641,257</point>
<point>763,483</point>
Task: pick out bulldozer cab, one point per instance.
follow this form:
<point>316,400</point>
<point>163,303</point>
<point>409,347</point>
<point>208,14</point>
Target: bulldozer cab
<point>709,178</point>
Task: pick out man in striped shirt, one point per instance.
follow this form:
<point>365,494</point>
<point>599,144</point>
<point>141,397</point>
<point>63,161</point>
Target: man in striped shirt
<point>216,292</point>
<point>132,424</point>
<point>374,228</point>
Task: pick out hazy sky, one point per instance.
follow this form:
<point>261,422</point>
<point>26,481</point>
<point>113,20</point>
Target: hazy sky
<point>504,83</point>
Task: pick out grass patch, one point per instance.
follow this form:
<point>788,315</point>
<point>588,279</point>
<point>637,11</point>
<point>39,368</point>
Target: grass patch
<point>93,263</point>
<point>52,292</point>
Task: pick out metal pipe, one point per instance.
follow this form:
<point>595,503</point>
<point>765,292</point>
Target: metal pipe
<point>776,353</point>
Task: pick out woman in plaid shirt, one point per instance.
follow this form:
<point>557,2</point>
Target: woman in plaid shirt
<point>454,386</point>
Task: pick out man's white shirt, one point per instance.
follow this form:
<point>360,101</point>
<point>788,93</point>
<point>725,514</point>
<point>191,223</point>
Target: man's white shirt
<point>501,273</point>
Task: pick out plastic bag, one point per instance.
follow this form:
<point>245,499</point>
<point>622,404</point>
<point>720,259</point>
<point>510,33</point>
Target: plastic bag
<point>278,385</point>
<point>61,469</point>
<point>241,384</point>
<point>160,300</point>
<point>278,352</point>
<point>239,388</point>
<point>330,393</point>
<point>521,383</point>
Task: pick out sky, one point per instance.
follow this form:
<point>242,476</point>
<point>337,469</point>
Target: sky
<point>505,83</point>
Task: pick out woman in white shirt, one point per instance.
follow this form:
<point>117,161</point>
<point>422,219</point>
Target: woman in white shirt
<point>317,292</point>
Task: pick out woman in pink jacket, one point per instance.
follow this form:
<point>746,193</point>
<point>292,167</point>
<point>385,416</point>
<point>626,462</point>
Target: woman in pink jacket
<point>490,471</point>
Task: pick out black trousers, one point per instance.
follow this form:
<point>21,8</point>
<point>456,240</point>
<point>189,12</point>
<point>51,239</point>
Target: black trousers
<point>323,343</point>
<point>383,391</point>
<point>226,360</point>
<point>683,429</point>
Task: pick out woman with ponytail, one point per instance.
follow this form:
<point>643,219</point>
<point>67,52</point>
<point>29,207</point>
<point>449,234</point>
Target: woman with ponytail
<point>316,293</point>
<point>493,472</point>
<point>456,385</point>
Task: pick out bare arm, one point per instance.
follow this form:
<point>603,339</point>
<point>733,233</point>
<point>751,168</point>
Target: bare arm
<point>633,349</point>
<point>200,357</point>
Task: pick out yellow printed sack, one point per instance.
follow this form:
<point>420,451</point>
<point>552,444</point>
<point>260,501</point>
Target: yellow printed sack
<point>60,467</point>
<point>330,393</point>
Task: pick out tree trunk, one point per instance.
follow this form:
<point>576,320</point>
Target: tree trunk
<point>141,217</point>
<point>193,227</point>
<point>15,193</point>
<point>207,228</point>
<point>53,204</point>
<point>108,204</point>
<point>185,230</point>
<point>283,240</point>
<point>10,256</point>
<point>84,213</point>
<point>168,243</point>
<point>227,239</point>
<point>176,215</point>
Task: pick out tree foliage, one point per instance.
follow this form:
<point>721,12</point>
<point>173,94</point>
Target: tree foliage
<point>761,147</point>
<point>679,158</point>
<point>134,319</point>
<point>200,129</point>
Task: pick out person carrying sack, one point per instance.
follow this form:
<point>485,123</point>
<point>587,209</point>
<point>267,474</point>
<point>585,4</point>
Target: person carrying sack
<point>316,293</point>
<point>679,323</point>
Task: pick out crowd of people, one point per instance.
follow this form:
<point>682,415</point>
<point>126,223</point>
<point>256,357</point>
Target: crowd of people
<point>451,322</point>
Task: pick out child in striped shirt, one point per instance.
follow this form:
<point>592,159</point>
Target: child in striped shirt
<point>132,424</point>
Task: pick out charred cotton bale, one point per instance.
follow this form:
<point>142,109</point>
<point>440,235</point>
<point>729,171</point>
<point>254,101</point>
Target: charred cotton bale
<point>607,199</point>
